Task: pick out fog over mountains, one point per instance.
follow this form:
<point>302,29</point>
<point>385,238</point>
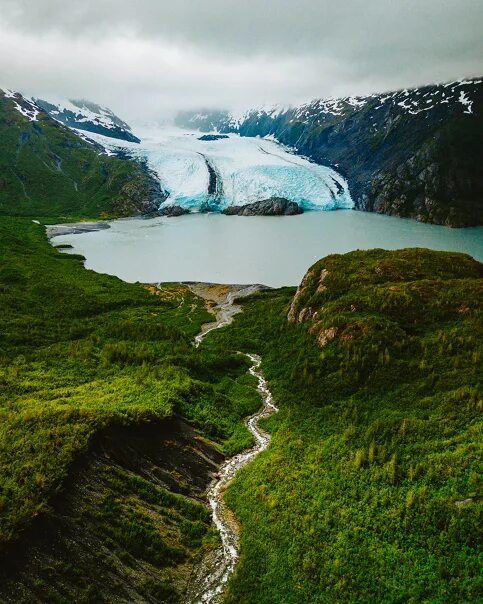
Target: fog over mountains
<point>411,153</point>
<point>150,59</point>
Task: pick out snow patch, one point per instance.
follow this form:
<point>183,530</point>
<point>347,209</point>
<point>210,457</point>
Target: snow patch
<point>76,113</point>
<point>23,105</point>
<point>465,101</point>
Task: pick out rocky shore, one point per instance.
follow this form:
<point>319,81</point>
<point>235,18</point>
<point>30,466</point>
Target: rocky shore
<point>173,210</point>
<point>75,228</point>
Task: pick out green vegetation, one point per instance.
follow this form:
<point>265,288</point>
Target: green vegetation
<point>136,532</point>
<point>361,496</point>
<point>115,533</point>
<point>81,351</point>
<point>46,170</point>
<point>369,491</point>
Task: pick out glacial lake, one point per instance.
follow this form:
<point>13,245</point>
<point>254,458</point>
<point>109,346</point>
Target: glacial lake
<point>274,251</point>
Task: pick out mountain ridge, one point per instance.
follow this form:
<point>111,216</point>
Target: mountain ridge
<point>412,153</point>
<point>49,170</point>
<point>88,116</point>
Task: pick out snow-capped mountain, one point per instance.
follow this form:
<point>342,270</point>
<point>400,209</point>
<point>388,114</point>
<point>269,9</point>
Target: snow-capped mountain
<point>413,152</point>
<point>458,96</point>
<point>23,105</point>
<point>88,116</point>
<point>48,169</point>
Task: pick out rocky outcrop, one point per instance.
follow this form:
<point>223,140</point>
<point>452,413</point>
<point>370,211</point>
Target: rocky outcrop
<point>274,206</point>
<point>411,153</point>
<point>212,137</point>
<point>140,196</point>
<point>172,210</point>
<point>332,300</point>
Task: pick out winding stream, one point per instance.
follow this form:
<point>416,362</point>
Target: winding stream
<point>225,308</point>
<point>212,580</point>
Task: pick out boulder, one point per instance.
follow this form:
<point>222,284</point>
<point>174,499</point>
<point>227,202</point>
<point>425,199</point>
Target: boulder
<point>274,206</point>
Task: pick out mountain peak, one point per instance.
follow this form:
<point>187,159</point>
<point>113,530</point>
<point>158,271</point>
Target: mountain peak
<point>28,108</point>
<point>82,114</point>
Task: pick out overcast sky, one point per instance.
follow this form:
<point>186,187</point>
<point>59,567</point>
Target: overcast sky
<point>147,58</point>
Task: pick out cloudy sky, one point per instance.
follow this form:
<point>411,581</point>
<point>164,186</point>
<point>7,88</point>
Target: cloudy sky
<point>148,58</point>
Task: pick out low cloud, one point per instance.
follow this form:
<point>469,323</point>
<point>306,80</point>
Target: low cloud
<point>149,58</point>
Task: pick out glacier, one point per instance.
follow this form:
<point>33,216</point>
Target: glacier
<point>212,175</point>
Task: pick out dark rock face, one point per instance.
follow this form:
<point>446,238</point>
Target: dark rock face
<point>212,137</point>
<point>78,551</point>
<point>411,153</point>
<point>173,210</point>
<point>140,196</point>
<point>274,206</point>
<point>215,187</point>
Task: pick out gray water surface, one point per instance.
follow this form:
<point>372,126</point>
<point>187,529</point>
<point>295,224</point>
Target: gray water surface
<point>271,250</point>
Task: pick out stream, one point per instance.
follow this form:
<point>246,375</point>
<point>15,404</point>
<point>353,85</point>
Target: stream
<point>215,571</point>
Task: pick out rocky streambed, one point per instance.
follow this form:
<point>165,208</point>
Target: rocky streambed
<point>209,582</point>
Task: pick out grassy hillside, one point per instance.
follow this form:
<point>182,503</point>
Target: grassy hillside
<point>370,489</point>
<point>81,351</point>
<point>47,170</point>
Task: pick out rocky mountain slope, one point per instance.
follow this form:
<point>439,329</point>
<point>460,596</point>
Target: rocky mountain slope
<point>47,169</point>
<point>88,116</point>
<point>410,153</point>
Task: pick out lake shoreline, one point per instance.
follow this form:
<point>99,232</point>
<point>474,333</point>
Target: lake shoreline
<point>75,228</point>
<point>213,248</point>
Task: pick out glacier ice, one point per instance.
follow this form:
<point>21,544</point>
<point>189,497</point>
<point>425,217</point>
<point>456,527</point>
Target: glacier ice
<point>250,169</point>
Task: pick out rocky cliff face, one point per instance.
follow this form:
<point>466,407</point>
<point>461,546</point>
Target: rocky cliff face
<point>129,525</point>
<point>411,153</point>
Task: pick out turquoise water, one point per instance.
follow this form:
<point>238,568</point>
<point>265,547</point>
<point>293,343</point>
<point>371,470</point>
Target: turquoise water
<point>274,251</point>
